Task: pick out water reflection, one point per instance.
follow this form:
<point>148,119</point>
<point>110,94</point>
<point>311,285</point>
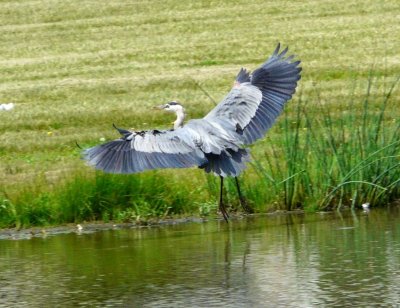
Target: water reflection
<point>281,260</point>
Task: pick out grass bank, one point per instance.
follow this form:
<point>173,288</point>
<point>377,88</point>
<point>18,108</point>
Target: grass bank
<point>73,68</point>
<point>316,160</point>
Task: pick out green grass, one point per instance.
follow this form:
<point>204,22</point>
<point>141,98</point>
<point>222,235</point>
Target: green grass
<point>99,197</point>
<point>74,68</point>
<point>317,160</point>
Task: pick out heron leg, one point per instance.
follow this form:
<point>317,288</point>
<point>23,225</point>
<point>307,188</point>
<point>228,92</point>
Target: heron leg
<point>221,203</point>
<point>243,202</point>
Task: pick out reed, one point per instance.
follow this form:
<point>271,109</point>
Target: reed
<point>330,159</point>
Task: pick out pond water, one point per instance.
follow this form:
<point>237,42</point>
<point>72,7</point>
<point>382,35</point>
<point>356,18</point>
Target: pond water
<point>296,260</point>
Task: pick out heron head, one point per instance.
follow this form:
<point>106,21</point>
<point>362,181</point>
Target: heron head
<point>173,106</point>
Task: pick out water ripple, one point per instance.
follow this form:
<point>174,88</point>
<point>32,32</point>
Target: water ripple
<point>272,261</point>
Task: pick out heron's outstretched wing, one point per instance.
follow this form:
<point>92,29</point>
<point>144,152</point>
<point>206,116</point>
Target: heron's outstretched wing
<point>257,99</point>
<point>139,151</point>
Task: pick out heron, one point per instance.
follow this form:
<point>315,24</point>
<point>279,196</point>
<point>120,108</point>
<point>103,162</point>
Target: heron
<point>215,143</point>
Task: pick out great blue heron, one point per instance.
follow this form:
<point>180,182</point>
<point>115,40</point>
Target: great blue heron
<point>215,143</point>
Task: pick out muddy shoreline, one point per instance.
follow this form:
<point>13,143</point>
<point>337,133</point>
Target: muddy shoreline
<point>91,227</point>
<point>97,226</point>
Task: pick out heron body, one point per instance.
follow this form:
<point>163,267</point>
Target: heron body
<point>216,143</point>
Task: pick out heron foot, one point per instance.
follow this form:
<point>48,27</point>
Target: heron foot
<point>245,205</point>
<point>223,211</point>
<point>243,202</point>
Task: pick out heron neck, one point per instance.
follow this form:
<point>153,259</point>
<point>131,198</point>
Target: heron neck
<point>180,117</point>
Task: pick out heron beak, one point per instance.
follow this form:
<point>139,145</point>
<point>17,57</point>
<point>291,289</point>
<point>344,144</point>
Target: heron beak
<point>159,107</point>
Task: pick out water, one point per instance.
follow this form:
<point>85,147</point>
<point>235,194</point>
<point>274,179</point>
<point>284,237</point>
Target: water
<point>294,260</point>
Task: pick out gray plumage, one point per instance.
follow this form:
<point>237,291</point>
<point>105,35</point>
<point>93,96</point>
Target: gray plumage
<point>215,143</point>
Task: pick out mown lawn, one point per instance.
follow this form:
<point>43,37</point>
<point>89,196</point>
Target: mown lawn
<point>73,68</point>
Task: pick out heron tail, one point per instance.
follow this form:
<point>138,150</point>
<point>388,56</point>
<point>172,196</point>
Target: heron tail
<point>228,163</point>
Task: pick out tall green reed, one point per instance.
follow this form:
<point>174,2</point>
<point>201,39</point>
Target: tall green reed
<point>331,158</point>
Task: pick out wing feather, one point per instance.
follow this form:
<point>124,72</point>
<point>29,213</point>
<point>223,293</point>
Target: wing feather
<point>256,101</point>
<point>139,151</point>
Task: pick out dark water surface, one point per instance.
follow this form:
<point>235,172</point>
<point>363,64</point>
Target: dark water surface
<point>348,259</point>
